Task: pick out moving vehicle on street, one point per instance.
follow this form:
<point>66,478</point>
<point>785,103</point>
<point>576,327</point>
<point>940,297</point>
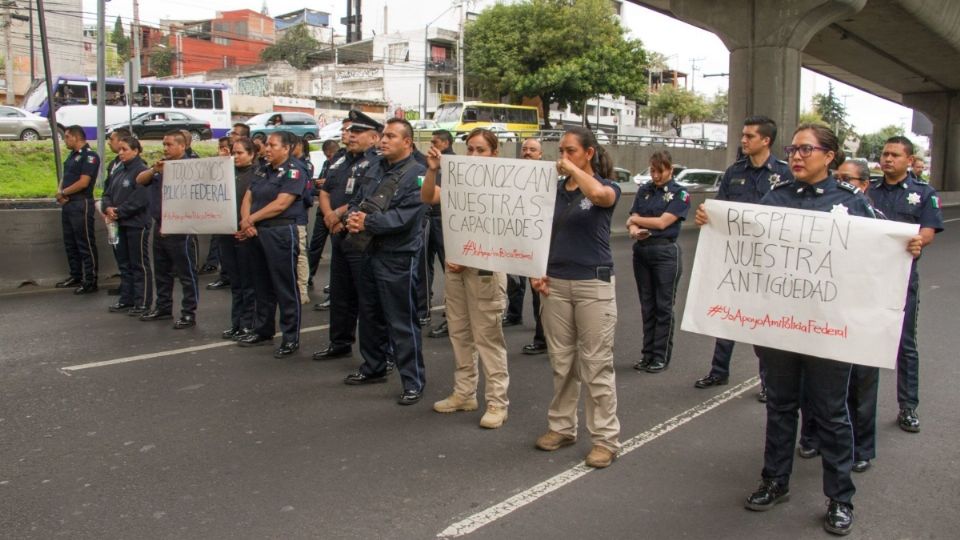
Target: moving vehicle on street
<point>699,180</point>
<point>460,118</point>
<point>22,125</point>
<point>301,124</point>
<point>153,125</point>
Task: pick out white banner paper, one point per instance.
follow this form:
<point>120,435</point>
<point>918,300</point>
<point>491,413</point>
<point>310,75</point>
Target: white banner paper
<point>199,196</point>
<point>498,213</point>
<point>822,284</point>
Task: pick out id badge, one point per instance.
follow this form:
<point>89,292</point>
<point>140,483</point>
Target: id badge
<point>349,189</point>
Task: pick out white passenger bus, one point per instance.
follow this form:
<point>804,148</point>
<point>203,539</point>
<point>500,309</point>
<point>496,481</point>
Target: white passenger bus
<point>75,98</point>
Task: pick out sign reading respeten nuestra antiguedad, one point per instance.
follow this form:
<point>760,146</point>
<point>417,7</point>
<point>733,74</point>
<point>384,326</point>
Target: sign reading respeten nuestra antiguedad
<point>823,284</point>
<point>498,213</point>
<point>199,196</point>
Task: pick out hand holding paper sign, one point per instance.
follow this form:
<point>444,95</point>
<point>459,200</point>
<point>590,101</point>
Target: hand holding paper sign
<point>541,285</point>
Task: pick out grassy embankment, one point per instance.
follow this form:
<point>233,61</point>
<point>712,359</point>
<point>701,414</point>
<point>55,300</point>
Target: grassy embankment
<point>27,169</point>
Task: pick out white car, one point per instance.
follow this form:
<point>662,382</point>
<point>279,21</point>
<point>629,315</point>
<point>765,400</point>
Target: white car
<point>644,176</point>
<point>622,177</point>
<point>501,134</point>
<point>699,180</point>
<point>330,131</point>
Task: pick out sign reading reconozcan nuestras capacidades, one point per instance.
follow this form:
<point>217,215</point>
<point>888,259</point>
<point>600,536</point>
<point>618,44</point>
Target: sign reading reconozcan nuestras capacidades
<point>498,213</point>
<point>199,196</point>
<point>823,284</point>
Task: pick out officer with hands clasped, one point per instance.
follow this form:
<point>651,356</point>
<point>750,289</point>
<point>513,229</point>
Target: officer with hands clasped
<point>75,197</point>
<point>384,224</point>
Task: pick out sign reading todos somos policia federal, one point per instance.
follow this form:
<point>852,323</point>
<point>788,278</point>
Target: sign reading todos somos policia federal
<point>199,196</point>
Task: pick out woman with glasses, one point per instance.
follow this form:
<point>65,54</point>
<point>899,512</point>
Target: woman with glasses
<point>822,382</point>
<point>235,253</point>
<point>475,301</point>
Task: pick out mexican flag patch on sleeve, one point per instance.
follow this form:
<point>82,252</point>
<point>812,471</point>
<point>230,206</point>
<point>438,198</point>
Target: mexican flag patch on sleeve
<point>293,174</point>
<point>91,158</point>
<point>935,200</point>
<point>419,181</point>
<point>685,197</point>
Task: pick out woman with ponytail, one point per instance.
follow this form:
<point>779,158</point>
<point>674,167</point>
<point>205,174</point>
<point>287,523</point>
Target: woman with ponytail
<point>579,309</point>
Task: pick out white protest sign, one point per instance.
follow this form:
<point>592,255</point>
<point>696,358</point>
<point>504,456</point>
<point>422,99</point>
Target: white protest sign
<point>498,213</point>
<point>817,283</point>
<point>199,196</point>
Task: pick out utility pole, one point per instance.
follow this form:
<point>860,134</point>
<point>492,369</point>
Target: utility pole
<point>101,83</point>
<point>33,70</point>
<point>463,18</point>
<point>8,51</point>
<point>693,72</point>
<point>48,78</point>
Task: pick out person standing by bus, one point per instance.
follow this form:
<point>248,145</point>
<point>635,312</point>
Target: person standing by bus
<point>75,197</point>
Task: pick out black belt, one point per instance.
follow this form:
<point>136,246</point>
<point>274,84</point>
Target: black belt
<point>276,222</point>
<point>659,241</point>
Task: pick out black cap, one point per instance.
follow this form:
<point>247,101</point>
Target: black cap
<point>361,122</point>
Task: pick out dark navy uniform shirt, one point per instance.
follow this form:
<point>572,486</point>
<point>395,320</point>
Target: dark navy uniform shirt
<point>434,210</point>
<point>306,196</point>
<point>131,200</point>
<point>78,163</point>
<point>345,174</point>
<point>396,229</point>
<point>581,234</point>
<point>827,195</point>
<point>285,178</point>
<point>909,201</point>
<point>190,154</point>
<point>742,182</point>
<point>653,201</point>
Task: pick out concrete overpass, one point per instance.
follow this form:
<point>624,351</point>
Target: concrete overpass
<point>906,51</point>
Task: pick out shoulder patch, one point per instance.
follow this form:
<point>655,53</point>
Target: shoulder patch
<point>921,181</point>
<point>293,173</point>
<point>848,187</point>
<point>781,183</point>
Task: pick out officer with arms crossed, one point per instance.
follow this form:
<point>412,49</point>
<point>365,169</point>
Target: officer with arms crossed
<point>75,196</point>
<point>386,215</point>
<point>747,180</point>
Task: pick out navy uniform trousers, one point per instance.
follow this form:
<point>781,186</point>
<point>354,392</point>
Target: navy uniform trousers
<point>908,358</point>
<point>76,220</point>
<point>722,352</point>
<point>862,406</point>
<point>344,293</point>
<point>823,384</point>
<point>388,307</point>
<point>657,268</point>
<point>274,253</point>
<point>516,291</point>
<point>175,253</point>
<point>423,272</point>
<point>236,262</point>
<point>133,261</point>
<point>317,242</point>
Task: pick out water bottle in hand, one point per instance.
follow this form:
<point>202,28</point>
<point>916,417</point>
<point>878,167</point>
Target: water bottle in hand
<point>113,233</point>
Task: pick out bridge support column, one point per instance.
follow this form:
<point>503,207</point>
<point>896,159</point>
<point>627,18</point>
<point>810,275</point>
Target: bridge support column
<point>943,110</point>
<point>765,40</point>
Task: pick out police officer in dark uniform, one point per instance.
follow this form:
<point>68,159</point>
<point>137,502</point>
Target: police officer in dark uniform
<point>235,253</point>
<point>318,239</point>
<point>658,210</point>
<point>75,196</point>
<point>747,180</point>
<point>442,140</point>
<point>270,210</point>
<point>901,197</point>
<point>387,213</point>
<point>821,382</point>
<point>345,176</point>
<point>172,253</point>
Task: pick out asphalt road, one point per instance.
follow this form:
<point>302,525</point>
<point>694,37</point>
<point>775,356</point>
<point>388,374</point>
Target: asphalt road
<point>195,439</point>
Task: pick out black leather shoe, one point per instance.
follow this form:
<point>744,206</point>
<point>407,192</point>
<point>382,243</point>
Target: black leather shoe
<point>357,378</point>
<point>440,331</point>
<point>286,349</point>
<point>254,339</point>
<point>208,269</point>
<point>711,380</point>
<point>219,284</point>
<point>409,397</point>
<point>390,367</point>
<point>839,518</point>
<point>424,321</point>
<point>326,289</point>
<point>861,465</point>
<point>136,311</point>
<point>333,351</point>
<point>231,333</point>
<point>642,364</point>
<point>656,366</point>
<point>762,396</point>
<point>534,348</point>
<point>89,288</point>
<point>808,453</point>
<point>908,420</point>
<point>186,321</point>
<point>156,315</point>
<point>511,321</point>
<point>767,495</point>
<point>322,306</point>
<point>119,308</point>
<point>242,333</point>
<point>67,283</point>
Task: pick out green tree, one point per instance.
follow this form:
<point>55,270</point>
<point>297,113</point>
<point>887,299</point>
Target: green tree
<point>161,62</point>
<point>297,47</point>
<point>560,51</point>
<point>118,38</point>
<point>678,106</point>
<point>811,117</point>
<point>871,144</point>
<point>833,112</point>
<point>720,107</point>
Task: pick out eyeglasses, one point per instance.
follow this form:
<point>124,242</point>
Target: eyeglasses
<point>846,177</point>
<point>805,150</point>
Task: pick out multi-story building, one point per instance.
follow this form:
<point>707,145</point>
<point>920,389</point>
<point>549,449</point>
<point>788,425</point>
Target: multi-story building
<point>64,25</point>
<point>232,38</point>
<point>317,24</point>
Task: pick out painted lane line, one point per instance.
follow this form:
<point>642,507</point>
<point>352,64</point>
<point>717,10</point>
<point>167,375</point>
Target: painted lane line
<point>488,516</point>
<point>951,220</point>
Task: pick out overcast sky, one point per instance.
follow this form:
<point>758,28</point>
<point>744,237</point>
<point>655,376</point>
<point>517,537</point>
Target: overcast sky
<point>682,43</point>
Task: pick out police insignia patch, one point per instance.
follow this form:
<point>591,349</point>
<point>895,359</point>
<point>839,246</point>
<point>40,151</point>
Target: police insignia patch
<point>668,196</point>
<point>774,178</point>
<point>586,204</point>
<point>840,209</point>
<point>913,198</point>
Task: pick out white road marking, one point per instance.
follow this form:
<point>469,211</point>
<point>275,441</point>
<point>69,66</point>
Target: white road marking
<point>951,220</point>
<point>488,516</point>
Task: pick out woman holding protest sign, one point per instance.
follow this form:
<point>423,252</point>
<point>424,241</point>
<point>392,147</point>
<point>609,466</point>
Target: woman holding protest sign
<point>269,215</point>
<point>822,382</point>
<point>579,309</point>
<point>235,253</point>
<point>659,208</point>
<point>475,301</point>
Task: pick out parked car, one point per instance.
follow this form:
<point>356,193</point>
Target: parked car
<point>301,124</point>
<point>153,125</point>
<point>502,134</point>
<point>644,176</point>
<point>623,179</point>
<point>699,180</point>
<point>330,131</point>
<point>22,125</point>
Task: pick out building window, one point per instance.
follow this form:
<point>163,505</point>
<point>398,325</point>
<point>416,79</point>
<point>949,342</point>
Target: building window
<point>398,52</point>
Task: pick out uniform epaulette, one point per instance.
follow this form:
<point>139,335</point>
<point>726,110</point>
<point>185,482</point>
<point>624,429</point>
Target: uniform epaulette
<point>921,181</point>
<point>781,183</point>
<point>848,186</point>
<point>782,162</point>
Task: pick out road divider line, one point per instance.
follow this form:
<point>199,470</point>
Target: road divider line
<point>951,220</point>
<point>502,509</point>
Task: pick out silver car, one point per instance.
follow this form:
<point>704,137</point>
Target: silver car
<point>22,125</point>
